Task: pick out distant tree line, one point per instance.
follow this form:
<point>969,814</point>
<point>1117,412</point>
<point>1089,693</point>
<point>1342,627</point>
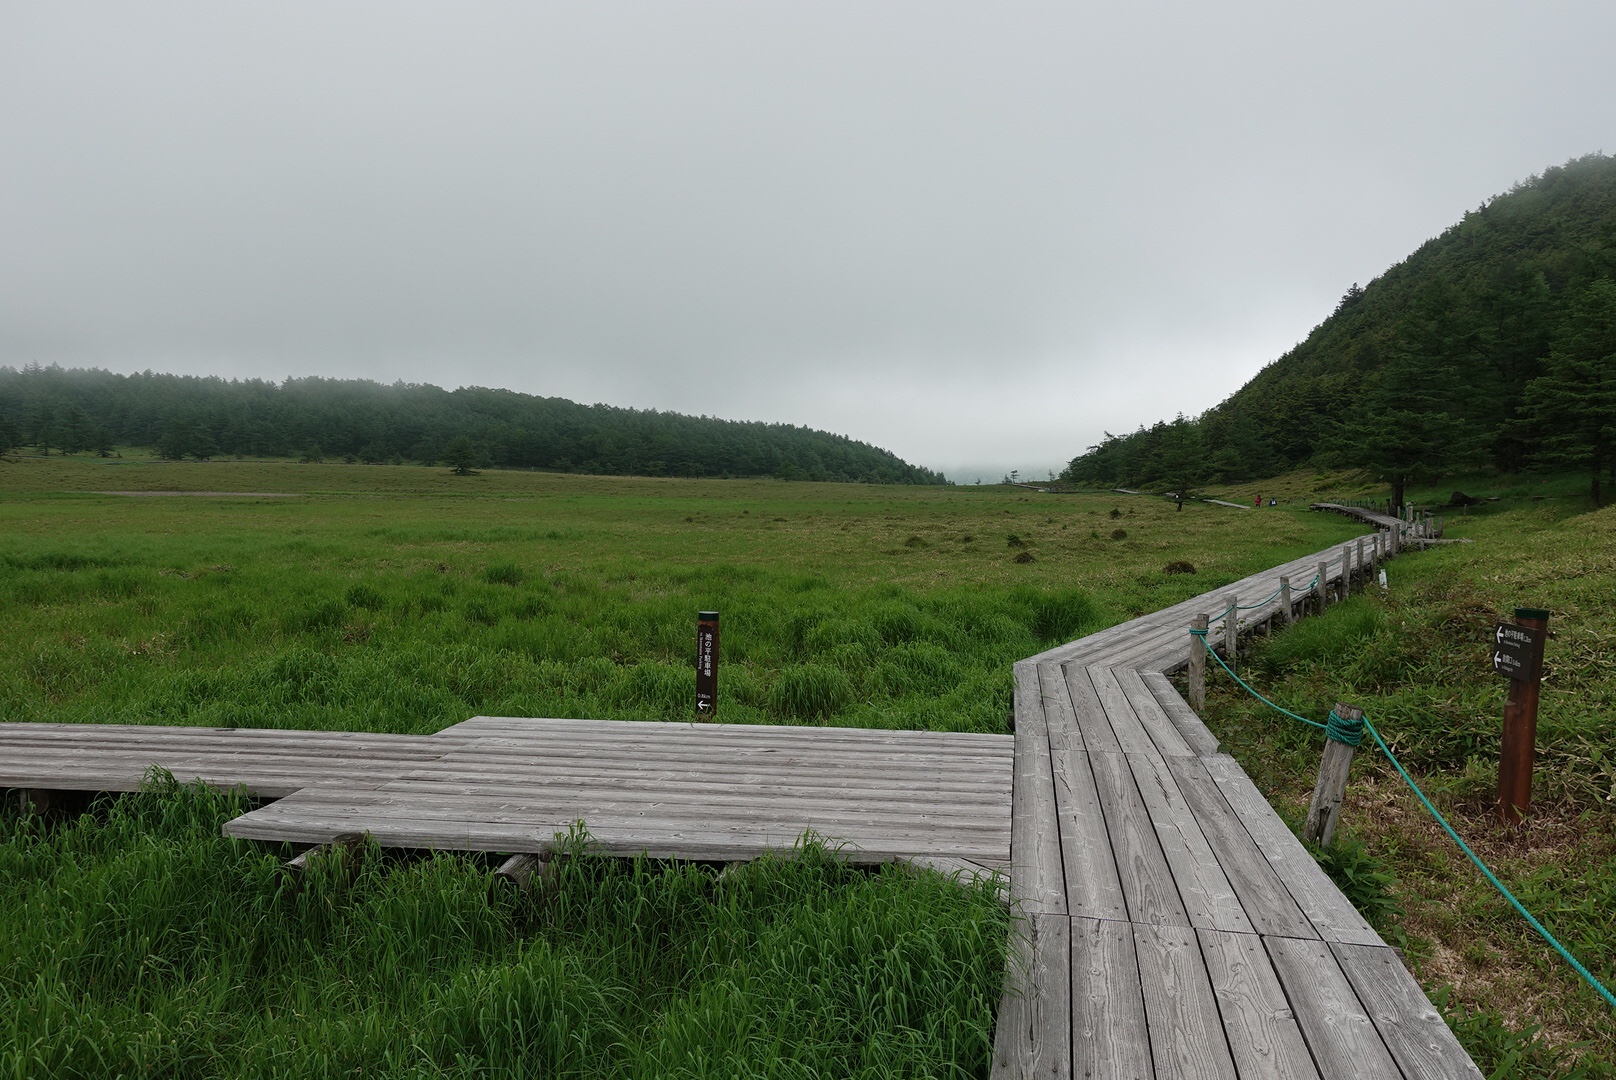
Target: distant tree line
<point>91,410</point>
<point>1491,347</point>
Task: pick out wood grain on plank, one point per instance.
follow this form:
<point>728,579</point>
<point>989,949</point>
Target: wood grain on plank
<point>1263,1034</point>
<point>1131,734</point>
<point>1092,886</point>
<point>1163,733</point>
<point>1209,899</point>
<point>1091,720</point>
<point>1147,883</point>
<point>1060,717</point>
<point>1194,733</point>
<point>1110,1038</point>
<point>1331,913</point>
<point>1036,875</point>
<point>1339,1033</point>
<point>1413,1029</point>
<point>1033,1038</point>
<point>1187,1040</point>
<point>1267,903</point>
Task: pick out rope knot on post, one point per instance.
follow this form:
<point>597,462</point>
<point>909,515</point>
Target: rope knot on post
<point>1345,729</point>
<point>1349,730</point>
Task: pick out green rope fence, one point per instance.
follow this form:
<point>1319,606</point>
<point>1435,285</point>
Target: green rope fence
<point>1336,724</point>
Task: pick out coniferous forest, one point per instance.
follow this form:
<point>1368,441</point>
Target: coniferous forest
<point>1492,347</point>
<point>77,410</point>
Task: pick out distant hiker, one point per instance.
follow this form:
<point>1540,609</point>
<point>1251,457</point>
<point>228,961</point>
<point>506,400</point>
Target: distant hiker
<point>1272,501</point>
<point>1257,503</point>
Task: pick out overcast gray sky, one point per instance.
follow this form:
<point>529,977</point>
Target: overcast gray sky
<point>976,234</point>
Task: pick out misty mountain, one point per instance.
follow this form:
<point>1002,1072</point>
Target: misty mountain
<point>1492,346</point>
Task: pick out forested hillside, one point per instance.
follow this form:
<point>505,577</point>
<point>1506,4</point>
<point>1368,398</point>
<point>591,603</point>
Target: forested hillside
<point>1492,346</point>
<point>57,409</point>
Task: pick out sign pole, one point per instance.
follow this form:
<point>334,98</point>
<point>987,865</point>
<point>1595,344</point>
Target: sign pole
<point>1518,655</point>
<point>707,663</point>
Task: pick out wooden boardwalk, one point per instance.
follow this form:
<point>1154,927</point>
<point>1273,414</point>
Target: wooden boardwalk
<point>724,792</point>
<point>1173,925</point>
<point>692,791</point>
<point>1170,926</point>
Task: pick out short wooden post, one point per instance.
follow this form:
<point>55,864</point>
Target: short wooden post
<point>1346,571</point>
<point>1363,576</point>
<point>1324,586</point>
<point>1231,629</point>
<point>1286,611</point>
<point>1198,627</point>
<point>1331,790</point>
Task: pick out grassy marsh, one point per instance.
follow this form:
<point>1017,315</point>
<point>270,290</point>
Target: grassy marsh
<point>138,941</point>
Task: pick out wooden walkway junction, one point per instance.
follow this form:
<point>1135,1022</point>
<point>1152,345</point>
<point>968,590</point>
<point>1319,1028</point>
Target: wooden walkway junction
<point>1170,924</point>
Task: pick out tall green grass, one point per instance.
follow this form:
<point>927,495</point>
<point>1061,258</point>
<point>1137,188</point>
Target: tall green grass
<point>137,941</point>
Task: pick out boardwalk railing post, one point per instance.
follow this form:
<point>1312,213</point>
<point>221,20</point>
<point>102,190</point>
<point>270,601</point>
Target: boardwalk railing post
<point>1286,611</point>
<point>1346,571</point>
<point>1197,676</point>
<point>1363,575</point>
<point>1231,629</point>
<point>1323,590</point>
<point>1331,790</point>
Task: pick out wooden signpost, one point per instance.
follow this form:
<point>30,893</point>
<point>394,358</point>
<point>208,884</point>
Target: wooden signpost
<point>707,663</point>
<point>1518,656</point>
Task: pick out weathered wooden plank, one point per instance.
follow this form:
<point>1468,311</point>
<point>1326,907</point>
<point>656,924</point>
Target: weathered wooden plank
<point>1147,883</point>
<point>1033,1037</point>
<point>1131,734</point>
<point>1036,876</point>
<point>1413,1029</point>
<point>1090,714</point>
<point>1092,886</point>
<point>1110,1038</point>
<point>1339,1033</point>
<point>1209,899</point>
<point>1060,717</point>
<point>726,734</point>
<point>1187,1040</point>
<point>1194,733</point>
<point>1263,1034</point>
<point>1162,732</point>
<point>1331,913</point>
<point>1267,903</point>
<point>948,796</point>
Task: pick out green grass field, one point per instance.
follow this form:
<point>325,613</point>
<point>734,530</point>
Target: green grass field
<point>138,941</point>
<point>135,940</point>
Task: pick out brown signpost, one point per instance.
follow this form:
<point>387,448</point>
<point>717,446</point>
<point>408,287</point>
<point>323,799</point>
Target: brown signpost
<point>1518,656</point>
<point>707,663</point>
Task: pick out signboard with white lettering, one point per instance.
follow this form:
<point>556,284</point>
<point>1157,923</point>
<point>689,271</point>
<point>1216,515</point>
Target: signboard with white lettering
<point>707,663</point>
<point>1518,651</point>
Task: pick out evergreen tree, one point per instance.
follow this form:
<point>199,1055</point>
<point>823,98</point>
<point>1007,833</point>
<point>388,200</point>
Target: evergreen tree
<point>460,456</point>
<point>1572,407</point>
